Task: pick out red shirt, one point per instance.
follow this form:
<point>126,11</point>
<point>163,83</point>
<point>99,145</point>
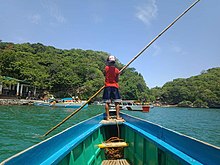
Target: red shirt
<point>111,76</point>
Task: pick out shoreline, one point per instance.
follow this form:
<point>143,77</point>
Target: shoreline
<point>16,102</point>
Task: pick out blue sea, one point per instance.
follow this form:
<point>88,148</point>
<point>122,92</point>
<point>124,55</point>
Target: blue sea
<point>23,126</point>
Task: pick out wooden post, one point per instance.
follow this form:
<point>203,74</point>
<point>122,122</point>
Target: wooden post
<point>1,86</point>
<point>21,90</point>
<point>35,90</point>
<point>17,93</point>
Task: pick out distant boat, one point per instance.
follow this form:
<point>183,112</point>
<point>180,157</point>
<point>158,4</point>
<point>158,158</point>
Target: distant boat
<point>64,103</point>
<point>142,142</point>
<point>98,103</point>
<point>130,105</point>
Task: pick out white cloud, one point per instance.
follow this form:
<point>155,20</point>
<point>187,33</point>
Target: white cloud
<point>146,13</point>
<point>53,10</point>
<point>35,19</point>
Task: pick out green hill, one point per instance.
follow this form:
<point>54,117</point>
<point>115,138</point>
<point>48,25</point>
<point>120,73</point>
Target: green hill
<point>65,72</point>
<point>197,91</point>
<point>72,72</point>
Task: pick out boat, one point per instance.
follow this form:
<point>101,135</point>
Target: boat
<point>142,142</point>
<point>132,106</point>
<point>60,104</point>
<point>63,103</point>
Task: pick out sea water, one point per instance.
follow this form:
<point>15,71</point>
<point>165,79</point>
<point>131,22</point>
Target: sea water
<point>23,126</point>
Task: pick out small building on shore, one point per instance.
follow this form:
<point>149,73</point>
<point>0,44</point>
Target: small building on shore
<point>15,88</point>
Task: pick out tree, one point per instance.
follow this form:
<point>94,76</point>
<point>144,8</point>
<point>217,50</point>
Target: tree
<point>202,90</point>
<point>65,72</point>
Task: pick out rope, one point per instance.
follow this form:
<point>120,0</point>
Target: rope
<point>114,152</point>
<point>118,128</point>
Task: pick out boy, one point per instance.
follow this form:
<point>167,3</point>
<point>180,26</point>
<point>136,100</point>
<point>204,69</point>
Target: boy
<point>111,92</point>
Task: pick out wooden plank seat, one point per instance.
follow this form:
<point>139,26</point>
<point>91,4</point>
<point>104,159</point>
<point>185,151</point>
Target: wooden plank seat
<point>112,121</point>
<point>115,162</point>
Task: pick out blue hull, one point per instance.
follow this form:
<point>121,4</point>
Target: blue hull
<point>166,145</point>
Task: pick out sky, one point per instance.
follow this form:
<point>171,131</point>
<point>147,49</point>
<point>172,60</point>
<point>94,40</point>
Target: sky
<point>123,28</point>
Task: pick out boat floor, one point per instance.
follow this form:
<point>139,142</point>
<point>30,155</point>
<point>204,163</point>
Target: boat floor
<point>115,162</point>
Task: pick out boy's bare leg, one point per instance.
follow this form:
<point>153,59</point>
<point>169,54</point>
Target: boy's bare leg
<point>107,111</point>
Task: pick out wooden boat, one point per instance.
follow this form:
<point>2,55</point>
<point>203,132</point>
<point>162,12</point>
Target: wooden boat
<point>132,106</point>
<point>143,143</point>
<point>64,103</point>
<point>60,104</point>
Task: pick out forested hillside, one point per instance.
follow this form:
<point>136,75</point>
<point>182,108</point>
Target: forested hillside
<point>197,91</point>
<point>79,72</point>
<point>65,72</point>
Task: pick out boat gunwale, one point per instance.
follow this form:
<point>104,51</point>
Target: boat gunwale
<point>163,135</point>
<point>179,155</point>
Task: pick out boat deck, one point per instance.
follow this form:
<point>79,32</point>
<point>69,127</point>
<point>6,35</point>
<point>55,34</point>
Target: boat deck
<point>115,162</point>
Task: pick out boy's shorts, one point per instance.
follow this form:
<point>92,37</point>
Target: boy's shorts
<point>111,94</point>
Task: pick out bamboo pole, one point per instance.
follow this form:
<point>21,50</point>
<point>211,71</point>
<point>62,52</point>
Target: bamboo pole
<point>73,113</point>
<point>160,34</point>
<point>135,57</point>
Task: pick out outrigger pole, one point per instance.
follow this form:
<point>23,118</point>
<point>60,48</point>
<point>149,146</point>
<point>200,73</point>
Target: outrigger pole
<point>160,34</point>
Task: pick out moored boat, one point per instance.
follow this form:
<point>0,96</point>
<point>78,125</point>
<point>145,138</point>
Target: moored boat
<point>62,104</point>
<point>132,106</point>
<point>143,143</point>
